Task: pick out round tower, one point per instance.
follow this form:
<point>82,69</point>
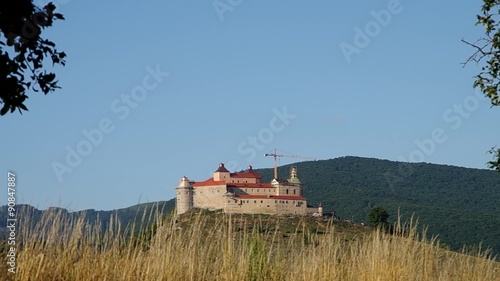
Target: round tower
<point>320,209</point>
<point>294,181</point>
<point>293,172</point>
<point>293,176</point>
<point>184,200</point>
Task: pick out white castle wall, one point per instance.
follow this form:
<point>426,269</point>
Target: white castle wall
<point>266,206</point>
<point>210,197</point>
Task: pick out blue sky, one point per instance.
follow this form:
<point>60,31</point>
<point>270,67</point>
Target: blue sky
<point>155,90</point>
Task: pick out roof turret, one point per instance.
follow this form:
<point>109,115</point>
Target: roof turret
<point>184,183</point>
<point>222,169</point>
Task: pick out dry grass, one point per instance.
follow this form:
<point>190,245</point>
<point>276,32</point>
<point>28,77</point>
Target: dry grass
<point>228,249</point>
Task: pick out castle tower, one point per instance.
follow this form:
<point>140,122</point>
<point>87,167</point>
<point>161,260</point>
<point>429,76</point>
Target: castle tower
<point>184,200</point>
<point>320,209</point>
<point>221,174</point>
<point>294,180</point>
<point>293,176</point>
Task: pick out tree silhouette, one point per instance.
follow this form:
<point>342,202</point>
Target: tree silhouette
<point>23,52</point>
<point>377,216</point>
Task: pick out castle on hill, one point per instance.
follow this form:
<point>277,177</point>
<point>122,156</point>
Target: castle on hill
<point>242,192</point>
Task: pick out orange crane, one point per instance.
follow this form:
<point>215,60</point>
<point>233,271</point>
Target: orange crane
<point>275,156</point>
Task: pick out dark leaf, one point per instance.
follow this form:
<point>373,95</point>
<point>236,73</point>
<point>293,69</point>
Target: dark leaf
<point>49,77</point>
<point>4,110</point>
<point>50,43</point>
<point>59,16</point>
<point>23,107</point>
<point>50,7</point>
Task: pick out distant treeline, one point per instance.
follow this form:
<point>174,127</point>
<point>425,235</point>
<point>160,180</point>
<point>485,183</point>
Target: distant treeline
<point>461,205</point>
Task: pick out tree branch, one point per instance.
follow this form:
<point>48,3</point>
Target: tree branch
<point>479,50</point>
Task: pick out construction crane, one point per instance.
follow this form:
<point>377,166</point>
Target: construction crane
<point>275,156</point>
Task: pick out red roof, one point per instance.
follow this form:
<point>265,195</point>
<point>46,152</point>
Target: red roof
<point>209,182</point>
<point>281,197</point>
<point>252,185</point>
<point>252,175</point>
<point>249,173</point>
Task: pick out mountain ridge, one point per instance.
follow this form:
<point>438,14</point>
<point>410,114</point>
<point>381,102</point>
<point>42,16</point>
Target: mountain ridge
<point>458,204</point>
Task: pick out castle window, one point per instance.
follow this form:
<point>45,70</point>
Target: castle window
<point>255,201</point>
<point>260,201</point>
<point>287,191</point>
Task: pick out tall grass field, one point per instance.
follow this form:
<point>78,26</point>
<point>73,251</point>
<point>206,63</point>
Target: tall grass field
<point>224,247</point>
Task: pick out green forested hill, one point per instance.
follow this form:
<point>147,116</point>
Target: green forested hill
<point>462,205</point>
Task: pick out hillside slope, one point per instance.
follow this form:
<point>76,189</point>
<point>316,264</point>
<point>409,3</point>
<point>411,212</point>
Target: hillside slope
<point>462,205</point>
<point>126,216</point>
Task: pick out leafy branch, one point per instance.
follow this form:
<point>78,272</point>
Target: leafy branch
<point>24,51</point>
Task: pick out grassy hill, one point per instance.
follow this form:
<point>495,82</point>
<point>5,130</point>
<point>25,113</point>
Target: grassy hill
<point>205,245</point>
<point>462,205</point>
<point>279,228</point>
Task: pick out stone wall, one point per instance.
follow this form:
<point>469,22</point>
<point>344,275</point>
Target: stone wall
<point>266,206</point>
<point>288,190</point>
<point>242,180</point>
<point>252,191</point>
<point>183,202</point>
<point>210,197</point>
